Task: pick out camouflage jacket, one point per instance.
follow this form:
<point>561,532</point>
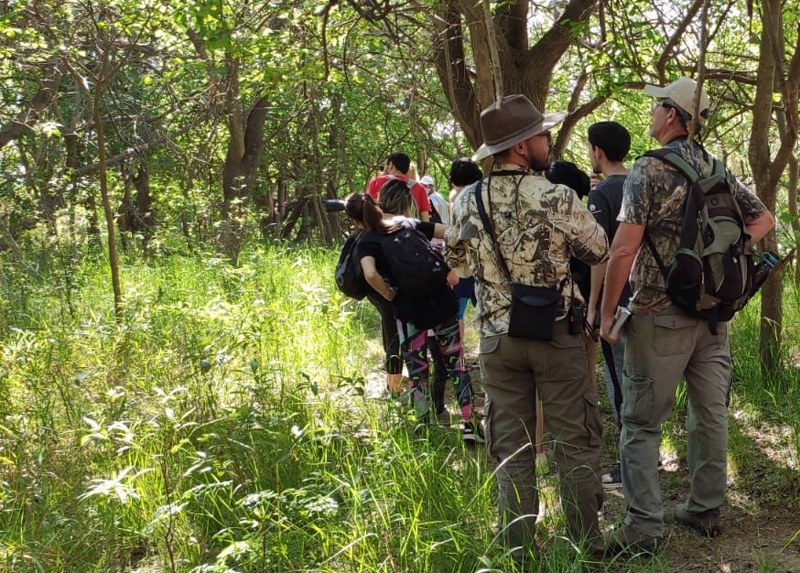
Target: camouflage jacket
<point>653,196</point>
<point>539,226</point>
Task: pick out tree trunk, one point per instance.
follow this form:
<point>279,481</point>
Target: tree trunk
<point>773,75</point>
<point>92,221</point>
<point>103,174</point>
<point>143,205</point>
<point>295,211</point>
<point>7,240</point>
<point>525,69</point>
<point>794,182</point>
<point>245,148</point>
<point>186,227</point>
<point>125,217</point>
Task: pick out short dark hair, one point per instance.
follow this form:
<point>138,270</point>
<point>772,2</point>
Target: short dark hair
<point>400,160</point>
<point>612,138</point>
<point>464,171</point>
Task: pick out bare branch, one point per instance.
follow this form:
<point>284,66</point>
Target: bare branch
<point>666,53</point>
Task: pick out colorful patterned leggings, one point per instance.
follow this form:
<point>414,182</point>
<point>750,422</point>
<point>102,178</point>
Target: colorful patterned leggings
<point>414,345</point>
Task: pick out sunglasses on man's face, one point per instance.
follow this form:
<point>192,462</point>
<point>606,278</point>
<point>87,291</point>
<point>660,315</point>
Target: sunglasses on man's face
<point>546,134</point>
<point>662,103</point>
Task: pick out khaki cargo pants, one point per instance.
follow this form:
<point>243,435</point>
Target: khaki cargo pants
<point>660,349</point>
<point>512,371</point>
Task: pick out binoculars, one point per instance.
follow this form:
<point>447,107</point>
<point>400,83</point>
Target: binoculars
<point>333,205</point>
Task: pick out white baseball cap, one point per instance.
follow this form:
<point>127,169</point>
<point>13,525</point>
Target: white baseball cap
<point>681,92</point>
<point>427,180</point>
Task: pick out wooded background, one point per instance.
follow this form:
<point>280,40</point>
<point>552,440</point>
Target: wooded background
<point>183,125</point>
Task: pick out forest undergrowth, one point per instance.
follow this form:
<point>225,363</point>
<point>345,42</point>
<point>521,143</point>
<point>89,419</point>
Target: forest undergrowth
<point>223,425</point>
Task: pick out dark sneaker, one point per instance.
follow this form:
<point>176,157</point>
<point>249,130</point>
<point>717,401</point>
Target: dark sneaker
<point>706,522</point>
<point>612,479</point>
<point>624,539</point>
<point>473,433</point>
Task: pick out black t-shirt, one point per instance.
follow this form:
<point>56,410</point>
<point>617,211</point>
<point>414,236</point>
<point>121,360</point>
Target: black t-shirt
<point>422,312</point>
<point>605,202</point>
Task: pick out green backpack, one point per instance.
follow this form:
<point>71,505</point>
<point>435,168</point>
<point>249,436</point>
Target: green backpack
<point>712,274</point>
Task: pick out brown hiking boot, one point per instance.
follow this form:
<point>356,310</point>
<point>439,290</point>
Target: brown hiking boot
<point>624,539</point>
<point>705,522</point>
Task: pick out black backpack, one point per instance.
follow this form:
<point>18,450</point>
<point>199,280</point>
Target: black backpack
<point>712,275</point>
<point>348,274</point>
<point>418,268</point>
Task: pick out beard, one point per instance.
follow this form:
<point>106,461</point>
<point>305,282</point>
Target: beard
<point>539,164</point>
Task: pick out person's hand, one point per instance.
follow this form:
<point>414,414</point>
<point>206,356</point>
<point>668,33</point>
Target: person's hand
<point>452,278</point>
<point>594,180</point>
<point>606,323</point>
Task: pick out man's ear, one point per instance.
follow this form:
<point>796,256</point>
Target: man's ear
<point>519,148</point>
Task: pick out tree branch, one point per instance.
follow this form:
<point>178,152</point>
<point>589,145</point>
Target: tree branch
<point>666,53</point>
<point>23,122</point>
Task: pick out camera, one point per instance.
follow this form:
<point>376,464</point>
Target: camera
<point>333,205</point>
<point>576,316</point>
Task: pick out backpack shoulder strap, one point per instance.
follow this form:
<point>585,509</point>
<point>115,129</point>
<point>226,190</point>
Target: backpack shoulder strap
<point>678,162</point>
<point>688,234</point>
<point>672,158</point>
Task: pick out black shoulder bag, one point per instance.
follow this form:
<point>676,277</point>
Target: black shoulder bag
<point>533,309</point>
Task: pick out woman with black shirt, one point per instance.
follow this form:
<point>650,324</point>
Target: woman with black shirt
<point>414,314</point>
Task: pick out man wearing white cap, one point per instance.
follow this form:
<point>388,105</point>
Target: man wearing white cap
<point>438,202</point>
<point>524,235</point>
<point>663,342</point>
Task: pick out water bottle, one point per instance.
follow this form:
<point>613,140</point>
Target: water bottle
<point>763,268</point>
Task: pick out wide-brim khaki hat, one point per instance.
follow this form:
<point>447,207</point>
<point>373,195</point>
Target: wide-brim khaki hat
<point>681,92</point>
<point>517,119</point>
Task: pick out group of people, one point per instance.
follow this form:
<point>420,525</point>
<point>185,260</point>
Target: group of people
<point>518,236</point>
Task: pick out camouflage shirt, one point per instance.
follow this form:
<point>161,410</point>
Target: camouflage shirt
<point>653,196</point>
<point>539,226</point>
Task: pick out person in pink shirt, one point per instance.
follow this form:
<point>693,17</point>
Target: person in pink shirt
<point>396,167</point>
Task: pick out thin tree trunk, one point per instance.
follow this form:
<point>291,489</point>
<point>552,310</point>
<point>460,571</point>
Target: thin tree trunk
<point>7,241</point>
<point>794,181</point>
<point>293,216</point>
<point>758,154</point>
<point>103,173</point>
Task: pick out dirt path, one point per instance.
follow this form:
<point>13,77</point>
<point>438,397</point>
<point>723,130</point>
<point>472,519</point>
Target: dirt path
<point>761,515</point>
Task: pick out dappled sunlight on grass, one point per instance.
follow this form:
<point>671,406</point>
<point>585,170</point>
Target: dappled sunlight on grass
<point>231,421</point>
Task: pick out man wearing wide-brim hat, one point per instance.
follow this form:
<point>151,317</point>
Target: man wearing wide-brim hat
<point>538,225</point>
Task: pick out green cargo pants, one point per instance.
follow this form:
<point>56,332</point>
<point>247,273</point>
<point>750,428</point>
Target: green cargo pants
<point>660,349</point>
<point>512,371</point>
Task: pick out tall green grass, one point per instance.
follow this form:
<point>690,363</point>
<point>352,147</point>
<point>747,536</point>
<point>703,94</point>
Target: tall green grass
<point>222,426</point>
